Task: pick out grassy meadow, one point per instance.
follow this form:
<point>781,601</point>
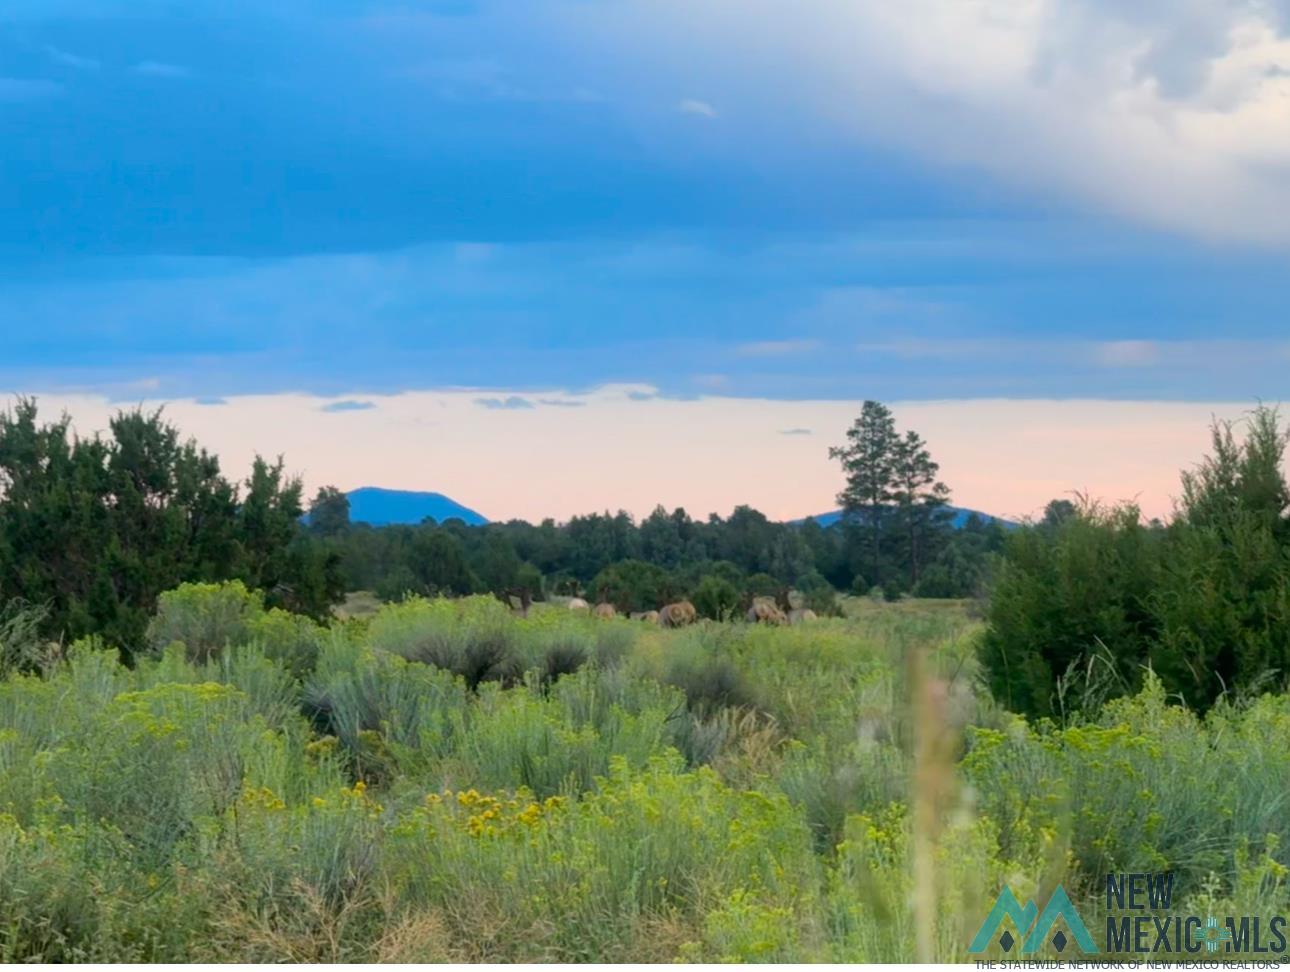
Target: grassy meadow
<point>444,781</point>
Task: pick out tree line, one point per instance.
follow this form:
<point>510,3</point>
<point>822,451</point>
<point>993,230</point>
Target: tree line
<point>93,528</point>
<point>1080,605</point>
<point>894,534</point>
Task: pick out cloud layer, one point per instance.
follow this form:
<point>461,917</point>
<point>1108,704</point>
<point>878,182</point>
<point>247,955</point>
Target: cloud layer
<point>829,199</point>
<point>1173,114</point>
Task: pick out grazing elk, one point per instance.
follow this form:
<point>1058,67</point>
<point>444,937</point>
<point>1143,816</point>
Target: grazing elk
<point>519,599</point>
<point>677,615</point>
<point>764,610</point>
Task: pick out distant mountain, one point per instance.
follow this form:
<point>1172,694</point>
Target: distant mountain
<point>381,507</point>
<point>960,518</point>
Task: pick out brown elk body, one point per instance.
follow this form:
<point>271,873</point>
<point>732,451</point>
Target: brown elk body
<point>764,610</point>
<point>677,615</point>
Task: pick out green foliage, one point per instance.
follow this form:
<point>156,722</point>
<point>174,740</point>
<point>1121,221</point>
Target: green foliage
<point>634,585</point>
<point>762,585</point>
<point>208,618</point>
<point>473,638</point>
<point>329,512</point>
<point>21,647</point>
<point>715,598</point>
<point>95,528</point>
<point>963,566</point>
<point>643,564</point>
<point>1095,595</point>
<point>211,806</point>
<point>894,504</point>
<point>588,879</point>
<point>818,594</point>
<point>205,618</point>
<point>1059,595</point>
<point>702,668</point>
<point>1148,786</point>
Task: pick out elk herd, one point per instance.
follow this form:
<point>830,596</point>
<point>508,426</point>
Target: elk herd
<point>763,610</point>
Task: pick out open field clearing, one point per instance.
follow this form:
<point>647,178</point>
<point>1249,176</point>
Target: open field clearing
<point>444,781</point>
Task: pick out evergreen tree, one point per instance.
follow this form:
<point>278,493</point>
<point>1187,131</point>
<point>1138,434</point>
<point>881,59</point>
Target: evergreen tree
<point>437,562</point>
<point>868,462</point>
<point>95,528</point>
<point>329,512</point>
<point>920,517</point>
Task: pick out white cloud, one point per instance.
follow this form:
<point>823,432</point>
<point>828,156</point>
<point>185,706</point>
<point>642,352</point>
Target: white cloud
<point>347,405</point>
<point>512,403</point>
<point>711,381</point>
<point>68,59</point>
<point>1172,114</point>
<point>693,106</point>
<point>1128,354</point>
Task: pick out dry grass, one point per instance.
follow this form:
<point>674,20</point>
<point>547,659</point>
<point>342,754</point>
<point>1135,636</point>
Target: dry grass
<point>357,604</point>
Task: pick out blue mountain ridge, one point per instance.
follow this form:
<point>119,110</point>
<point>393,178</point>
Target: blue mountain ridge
<point>960,518</point>
<point>383,507</point>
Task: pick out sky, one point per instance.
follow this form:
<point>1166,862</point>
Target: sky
<point>550,257</point>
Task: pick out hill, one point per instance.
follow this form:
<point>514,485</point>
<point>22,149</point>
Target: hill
<point>382,507</point>
<point>961,515</point>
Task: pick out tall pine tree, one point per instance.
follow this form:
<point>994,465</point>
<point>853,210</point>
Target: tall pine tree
<point>868,461</point>
<point>892,497</point>
<point>920,514</point>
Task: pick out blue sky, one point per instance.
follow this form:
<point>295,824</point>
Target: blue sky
<point>816,200</point>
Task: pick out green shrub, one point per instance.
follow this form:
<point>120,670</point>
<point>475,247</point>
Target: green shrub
<point>223,809</point>
<point>830,783</point>
<point>389,714</point>
<point>634,585</point>
<point>205,618</point>
<point>1148,786</point>
<point>475,637</point>
<point>600,877</point>
<point>762,585</point>
<point>715,598</point>
<point>707,675</point>
<point>1204,602</point>
<point>399,583</point>
<point>21,647</point>
<point>1062,594</point>
<point>291,640</point>
<point>818,594</point>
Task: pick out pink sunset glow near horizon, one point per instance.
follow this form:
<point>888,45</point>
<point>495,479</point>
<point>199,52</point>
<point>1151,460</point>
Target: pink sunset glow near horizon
<point>530,455</point>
